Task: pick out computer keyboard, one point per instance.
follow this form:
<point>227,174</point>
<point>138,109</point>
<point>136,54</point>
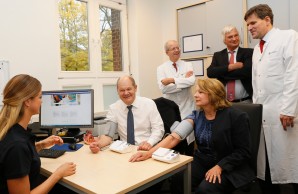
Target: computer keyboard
<point>49,153</point>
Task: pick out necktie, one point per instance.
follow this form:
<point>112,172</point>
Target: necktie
<point>175,66</point>
<point>130,127</point>
<point>262,42</point>
<point>231,83</point>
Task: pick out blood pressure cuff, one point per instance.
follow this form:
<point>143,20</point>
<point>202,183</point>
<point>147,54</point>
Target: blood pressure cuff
<point>183,128</point>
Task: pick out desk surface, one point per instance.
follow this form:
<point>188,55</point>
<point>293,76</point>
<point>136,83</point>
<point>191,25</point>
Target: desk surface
<point>109,172</point>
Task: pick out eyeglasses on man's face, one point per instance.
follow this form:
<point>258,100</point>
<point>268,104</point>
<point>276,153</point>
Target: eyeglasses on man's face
<point>174,49</point>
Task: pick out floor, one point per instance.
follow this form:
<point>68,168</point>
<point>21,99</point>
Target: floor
<point>254,189</point>
<point>285,189</point>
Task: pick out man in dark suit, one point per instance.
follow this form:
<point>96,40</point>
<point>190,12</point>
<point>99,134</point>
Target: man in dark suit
<point>232,66</point>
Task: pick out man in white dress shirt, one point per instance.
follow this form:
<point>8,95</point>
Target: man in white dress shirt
<point>148,125</point>
<point>275,85</point>
<point>175,79</point>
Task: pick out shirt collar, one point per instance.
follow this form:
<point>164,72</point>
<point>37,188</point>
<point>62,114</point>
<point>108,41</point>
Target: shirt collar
<point>235,50</point>
<point>177,62</point>
<point>136,103</point>
<point>267,36</point>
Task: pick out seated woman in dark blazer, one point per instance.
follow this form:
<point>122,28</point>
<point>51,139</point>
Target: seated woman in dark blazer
<point>221,161</point>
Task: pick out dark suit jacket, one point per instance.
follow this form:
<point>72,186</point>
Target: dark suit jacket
<point>232,145</point>
<point>219,68</point>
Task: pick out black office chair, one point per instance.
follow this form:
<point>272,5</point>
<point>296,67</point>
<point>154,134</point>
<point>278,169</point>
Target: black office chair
<point>169,112</point>
<point>254,112</point>
<point>39,133</point>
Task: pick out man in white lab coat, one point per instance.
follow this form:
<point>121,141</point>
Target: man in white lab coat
<point>175,79</point>
<point>275,85</point>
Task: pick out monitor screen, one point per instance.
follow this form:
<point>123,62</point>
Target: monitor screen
<point>67,109</point>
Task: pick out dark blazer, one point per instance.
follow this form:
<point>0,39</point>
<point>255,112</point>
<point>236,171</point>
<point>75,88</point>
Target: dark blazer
<point>232,145</point>
<point>219,68</point>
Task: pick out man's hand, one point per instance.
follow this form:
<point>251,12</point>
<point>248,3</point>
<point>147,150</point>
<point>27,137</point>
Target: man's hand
<point>237,65</point>
<point>188,74</point>
<point>94,147</point>
<point>167,81</point>
<point>286,121</point>
<point>145,146</point>
<point>140,156</point>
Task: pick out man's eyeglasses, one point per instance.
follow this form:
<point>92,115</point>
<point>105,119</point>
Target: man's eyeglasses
<point>174,48</point>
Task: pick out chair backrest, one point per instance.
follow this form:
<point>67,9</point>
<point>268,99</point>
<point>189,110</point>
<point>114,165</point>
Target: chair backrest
<point>254,112</point>
<point>169,112</point>
<point>40,133</point>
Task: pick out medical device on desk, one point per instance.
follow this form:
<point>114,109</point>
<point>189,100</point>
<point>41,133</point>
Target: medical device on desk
<point>166,155</point>
<point>121,147</point>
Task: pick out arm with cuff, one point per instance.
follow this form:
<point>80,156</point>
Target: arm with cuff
<point>109,133</point>
<point>180,131</point>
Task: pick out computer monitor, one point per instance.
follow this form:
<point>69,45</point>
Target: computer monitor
<point>67,109</point>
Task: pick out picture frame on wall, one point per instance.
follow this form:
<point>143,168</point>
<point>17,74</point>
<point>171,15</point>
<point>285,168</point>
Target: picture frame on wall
<point>192,43</point>
<point>198,66</point>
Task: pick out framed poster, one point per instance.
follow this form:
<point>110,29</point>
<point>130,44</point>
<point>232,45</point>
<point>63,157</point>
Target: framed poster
<point>198,66</point>
<point>192,43</point>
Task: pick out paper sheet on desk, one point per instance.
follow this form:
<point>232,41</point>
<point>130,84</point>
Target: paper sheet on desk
<point>66,148</point>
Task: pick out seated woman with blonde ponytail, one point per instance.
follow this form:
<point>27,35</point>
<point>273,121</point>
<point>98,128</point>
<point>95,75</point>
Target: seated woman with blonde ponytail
<point>19,160</point>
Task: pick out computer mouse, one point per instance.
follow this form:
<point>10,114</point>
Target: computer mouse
<point>72,146</point>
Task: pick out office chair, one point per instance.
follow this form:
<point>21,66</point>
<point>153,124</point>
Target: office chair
<point>254,112</point>
<point>39,133</point>
<point>169,112</point>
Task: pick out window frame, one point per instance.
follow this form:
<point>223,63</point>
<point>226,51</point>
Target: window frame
<point>95,78</point>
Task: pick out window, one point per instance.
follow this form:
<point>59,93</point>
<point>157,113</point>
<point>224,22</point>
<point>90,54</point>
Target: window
<point>74,42</point>
<point>93,46</point>
<point>110,34</point>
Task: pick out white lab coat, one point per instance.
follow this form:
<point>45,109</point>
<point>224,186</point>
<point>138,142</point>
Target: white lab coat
<point>180,92</point>
<point>275,85</point>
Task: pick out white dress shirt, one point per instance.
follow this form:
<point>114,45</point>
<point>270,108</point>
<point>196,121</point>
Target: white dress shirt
<point>240,91</point>
<point>148,124</point>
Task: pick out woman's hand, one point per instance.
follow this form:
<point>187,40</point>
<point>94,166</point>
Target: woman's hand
<point>66,169</point>
<point>214,174</point>
<point>48,142</point>
<point>140,156</point>
<point>52,140</point>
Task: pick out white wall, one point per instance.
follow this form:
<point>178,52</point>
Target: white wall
<point>28,39</point>
<point>150,25</point>
<point>144,31</point>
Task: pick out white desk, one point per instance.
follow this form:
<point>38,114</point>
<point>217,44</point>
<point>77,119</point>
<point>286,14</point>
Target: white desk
<point>108,172</point>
